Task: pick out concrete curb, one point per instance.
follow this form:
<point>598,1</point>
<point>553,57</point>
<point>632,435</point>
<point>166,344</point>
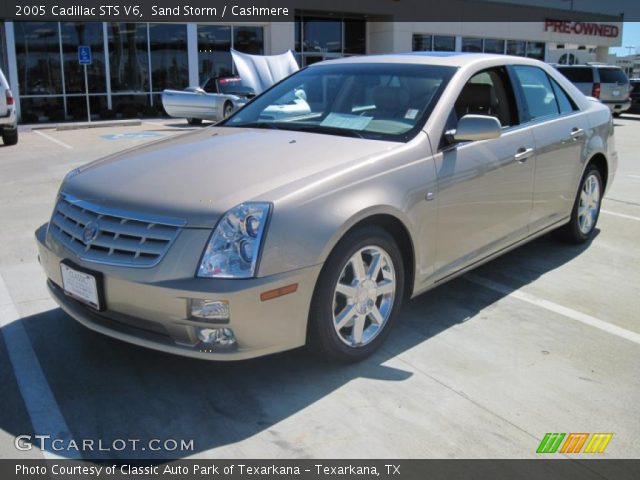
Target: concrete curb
<point>80,125</point>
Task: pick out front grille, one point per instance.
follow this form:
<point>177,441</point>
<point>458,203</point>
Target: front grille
<point>98,234</point>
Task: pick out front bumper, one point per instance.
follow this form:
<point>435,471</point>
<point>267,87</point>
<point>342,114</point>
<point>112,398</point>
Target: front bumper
<point>154,312</point>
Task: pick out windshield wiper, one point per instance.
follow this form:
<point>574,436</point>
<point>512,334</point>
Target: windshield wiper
<point>265,125</point>
<point>343,132</point>
<point>297,127</point>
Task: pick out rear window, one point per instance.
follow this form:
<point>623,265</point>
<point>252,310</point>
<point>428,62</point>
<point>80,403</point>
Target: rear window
<point>612,75</point>
<point>577,74</point>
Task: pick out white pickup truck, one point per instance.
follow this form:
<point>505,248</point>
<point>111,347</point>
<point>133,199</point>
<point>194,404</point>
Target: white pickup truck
<point>8,115</point>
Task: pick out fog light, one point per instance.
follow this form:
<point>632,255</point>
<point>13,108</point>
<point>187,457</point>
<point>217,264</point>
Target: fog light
<point>210,310</point>
<point>217,337</point>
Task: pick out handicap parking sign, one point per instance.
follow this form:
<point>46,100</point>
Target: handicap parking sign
<point>84,55</point>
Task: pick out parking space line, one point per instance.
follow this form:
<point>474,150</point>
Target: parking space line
<point>44,412</point>
<point>622,215</point>
<point>54,140</point>
<point>156,124</point>
<point>556,308</point>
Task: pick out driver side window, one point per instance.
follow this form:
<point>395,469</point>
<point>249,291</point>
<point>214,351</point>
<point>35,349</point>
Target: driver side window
<point>487,93</point>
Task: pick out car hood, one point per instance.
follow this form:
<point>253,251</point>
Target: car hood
<point>198,176</point>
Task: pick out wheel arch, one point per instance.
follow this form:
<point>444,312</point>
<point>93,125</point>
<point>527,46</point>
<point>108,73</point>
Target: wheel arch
<point>600,161</point>
<point>392,223</point>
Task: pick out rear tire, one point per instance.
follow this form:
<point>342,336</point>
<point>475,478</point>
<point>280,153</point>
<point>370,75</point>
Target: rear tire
<point>194,121</point>
<point>227,110</point>
<point>357,297</point>
<point>10,137</point>
<point>617,115</point>
<point>586,208</point>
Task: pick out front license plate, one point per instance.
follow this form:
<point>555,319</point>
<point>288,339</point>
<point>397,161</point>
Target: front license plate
<point>616,93</point>
<point>80,285</point>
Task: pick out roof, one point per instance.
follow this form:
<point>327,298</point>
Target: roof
<point>453,59</point>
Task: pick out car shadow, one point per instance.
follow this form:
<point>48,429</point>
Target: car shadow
<point>107,389</point>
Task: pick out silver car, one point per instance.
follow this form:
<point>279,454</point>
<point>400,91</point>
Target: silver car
<point>215,100</point>
<point>264,234</point>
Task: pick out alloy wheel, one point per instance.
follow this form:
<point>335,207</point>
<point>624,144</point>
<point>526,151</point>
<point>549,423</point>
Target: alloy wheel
<point>589,205</point>
<point>363,296</point>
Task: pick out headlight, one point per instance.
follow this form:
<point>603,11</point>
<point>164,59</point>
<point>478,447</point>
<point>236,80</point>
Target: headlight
<point>234,246</point>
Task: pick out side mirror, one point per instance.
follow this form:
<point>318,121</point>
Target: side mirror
<point>472,128</point>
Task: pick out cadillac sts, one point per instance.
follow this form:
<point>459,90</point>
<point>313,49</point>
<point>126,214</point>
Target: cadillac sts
<point>265,233</point>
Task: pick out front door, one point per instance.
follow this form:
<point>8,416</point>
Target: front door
<point>484,187</point>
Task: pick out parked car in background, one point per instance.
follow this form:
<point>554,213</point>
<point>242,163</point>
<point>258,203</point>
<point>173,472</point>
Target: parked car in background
<point>635,95</point>
<point>607,83</point>
<point>8,114</point>
<point>215,100</point>
<point>263,234</point>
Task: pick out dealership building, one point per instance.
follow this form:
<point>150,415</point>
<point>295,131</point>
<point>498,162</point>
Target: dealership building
<point>133,62</point>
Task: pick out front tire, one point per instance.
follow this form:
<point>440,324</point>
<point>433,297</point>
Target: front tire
<point>586,208</point>
<point>357,297</point>
<point>10,137</point>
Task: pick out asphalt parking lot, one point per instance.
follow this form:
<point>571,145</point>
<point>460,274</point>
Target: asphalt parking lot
<point>544,339</point>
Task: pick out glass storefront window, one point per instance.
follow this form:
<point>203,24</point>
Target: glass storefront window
<point>77,106</point>
<point>214,59</point>
<point>444,43</point>
<point>421,43</point>
<point>492,45</point>
<point>535,50</point>
<point>128,57</point>
<point>516,47</point>
<point>248,40</point>
<point>83,33</point>
<point>472,45</point>
<point>297,34</point>
<point>355,37</point>
<point>42,109</point>
<point>169,62</point>
<point>38,58</point>
<point>321,35</point>
<point>129,106</point>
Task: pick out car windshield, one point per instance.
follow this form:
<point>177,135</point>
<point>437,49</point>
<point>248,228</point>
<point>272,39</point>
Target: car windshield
<point>232,85</point>
<point>373,101</point>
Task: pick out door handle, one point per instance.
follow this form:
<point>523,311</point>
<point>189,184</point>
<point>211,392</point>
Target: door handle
<point>576,133</point>
<point>522,154</point>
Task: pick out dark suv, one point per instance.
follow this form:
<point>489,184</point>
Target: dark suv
<point>635,95</point>
<point>608,83</point>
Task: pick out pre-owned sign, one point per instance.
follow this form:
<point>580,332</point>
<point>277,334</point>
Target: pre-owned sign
<point>582,28</point>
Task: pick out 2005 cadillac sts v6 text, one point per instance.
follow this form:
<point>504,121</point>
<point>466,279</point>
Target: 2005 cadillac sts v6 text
<point>263,234</point>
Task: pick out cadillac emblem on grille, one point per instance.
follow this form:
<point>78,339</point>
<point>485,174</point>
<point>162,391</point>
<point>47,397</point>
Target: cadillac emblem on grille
<point>90,232</point>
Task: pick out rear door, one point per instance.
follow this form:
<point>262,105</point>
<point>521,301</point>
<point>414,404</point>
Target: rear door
<point>581,77</point>
<point>560,131</point>
<point>614,85</point>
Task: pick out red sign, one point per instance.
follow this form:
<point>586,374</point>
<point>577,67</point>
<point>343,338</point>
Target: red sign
<point>582,28</point>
